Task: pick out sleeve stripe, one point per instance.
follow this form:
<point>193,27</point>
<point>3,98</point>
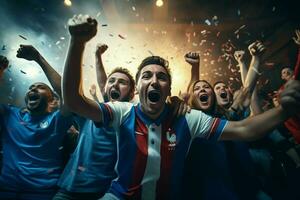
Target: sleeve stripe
<point>216,129</point>
<point>110,112</point>
<point>106,113</point>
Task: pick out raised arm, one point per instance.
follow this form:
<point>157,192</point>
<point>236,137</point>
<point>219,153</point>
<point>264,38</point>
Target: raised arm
<point>93,93</point>
<point>297,67</point>
<point>193,59</point>
<point>244,99</point>
<point>100,71</point>
<point>239,57</point>
<point>257,126</point>
<point>82,29</point>
<point>30,53</point>
<point>256,49</point>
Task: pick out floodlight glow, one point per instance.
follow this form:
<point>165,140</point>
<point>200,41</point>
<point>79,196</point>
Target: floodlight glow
<point>159,3</point>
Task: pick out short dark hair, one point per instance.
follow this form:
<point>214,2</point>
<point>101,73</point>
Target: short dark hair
<point>156,60</point>
<point>128,74</point>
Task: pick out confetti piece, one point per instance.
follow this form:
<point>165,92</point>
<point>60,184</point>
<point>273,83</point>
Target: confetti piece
<point>111,35</point>
<point>3,47</point>
<point>21,36</point>
<point>133,8</point>
<point>151,53</point>
<point>238,12</point>
<point>240,28</point>
<point>104,25</point>
<point>22,71</point>
<point>81,168</point>
<point>57,43</point>
<point>207,22</point>
<point>98,14</point>
<point>62,38</point>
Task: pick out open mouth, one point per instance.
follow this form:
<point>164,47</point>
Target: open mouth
<point>114,94</point>
<point>203,98</point>
<point>154,96</point>
<point>223,95</point>
<point>33,97</point>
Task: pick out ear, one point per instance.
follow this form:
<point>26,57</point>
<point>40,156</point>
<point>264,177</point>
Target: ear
<point>136,92</point>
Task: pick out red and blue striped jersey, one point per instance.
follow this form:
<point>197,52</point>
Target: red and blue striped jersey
<point>151,153</point>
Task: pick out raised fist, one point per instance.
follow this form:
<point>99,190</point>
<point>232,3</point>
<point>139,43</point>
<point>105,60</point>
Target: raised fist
<point>28,52</point>
<point>297,38</point>
<point>239,55</point>
<point>82,28</point>
<point>256,48</point>
<point>101,48</point>
<point>192,58</point>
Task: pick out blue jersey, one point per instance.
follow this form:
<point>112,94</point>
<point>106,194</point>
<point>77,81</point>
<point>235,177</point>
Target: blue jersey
<point>32,149</point>
<point>91,166</point>
<point>151,153</point>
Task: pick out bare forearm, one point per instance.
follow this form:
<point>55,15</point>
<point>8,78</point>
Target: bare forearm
<point>101,75</point>
<point>255,103</point>
<point>194,74</point>
<point>243,71</point>
<point>72,73</point>
<point>72,85</point>
<point>53,76</point>
<point>255,127</point>
<point>253,74</point>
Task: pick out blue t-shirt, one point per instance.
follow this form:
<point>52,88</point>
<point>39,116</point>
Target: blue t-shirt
<point>32,149</point>
<point>91,166</point>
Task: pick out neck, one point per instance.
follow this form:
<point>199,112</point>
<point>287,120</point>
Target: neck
<point>152,116</point>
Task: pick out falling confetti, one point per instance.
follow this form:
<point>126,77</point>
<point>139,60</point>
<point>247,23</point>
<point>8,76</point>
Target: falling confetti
<point>21,36</point>
<point>207,22</point>
<point>151,53</point>
<point>122,37</point>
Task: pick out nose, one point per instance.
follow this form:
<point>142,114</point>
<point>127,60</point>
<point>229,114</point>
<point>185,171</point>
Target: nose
<point>202,90</point>
<point>154,81</point>
<point>34,89</point>
<point>115,84</point>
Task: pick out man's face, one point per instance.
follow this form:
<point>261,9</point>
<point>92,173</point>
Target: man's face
<point>153,87</point>
<point>286,74</point>
<point>38,97</point>
<point>204,93</point>
<point>118,87</point>
<point>223,95</point>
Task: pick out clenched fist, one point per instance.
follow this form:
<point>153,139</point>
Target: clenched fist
<point>82,28</point>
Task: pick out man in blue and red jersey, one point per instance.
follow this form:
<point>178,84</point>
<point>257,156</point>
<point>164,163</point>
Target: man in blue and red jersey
<point>151,144</point>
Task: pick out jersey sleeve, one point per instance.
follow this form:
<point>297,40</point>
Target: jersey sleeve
<point>202,125</point>
<point>113,113</point>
